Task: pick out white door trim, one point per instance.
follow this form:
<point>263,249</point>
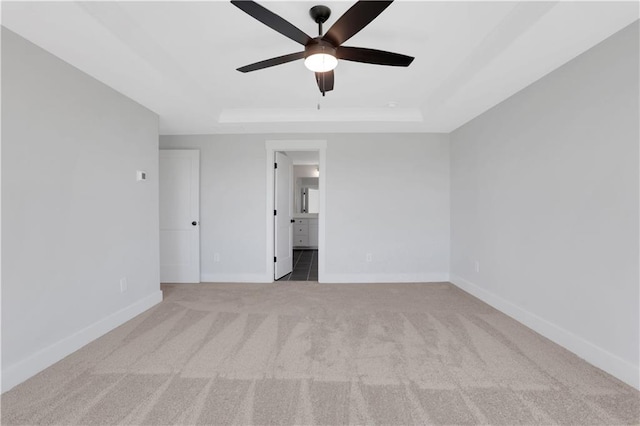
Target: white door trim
<point>296,145</point>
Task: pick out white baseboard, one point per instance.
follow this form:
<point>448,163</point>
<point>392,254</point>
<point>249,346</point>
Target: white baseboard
<point>330,278</point>
<point>586,350</point>
<point>236,278</point>
<point>383,278</point>
<point>21,371</point>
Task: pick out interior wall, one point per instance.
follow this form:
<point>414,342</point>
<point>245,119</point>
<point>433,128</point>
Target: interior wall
<point>387,196</point>
<point>400,182</point>
<point>544,199</point>
<point>74,219</point>
<point>232,205</point>
<point>305,170</point>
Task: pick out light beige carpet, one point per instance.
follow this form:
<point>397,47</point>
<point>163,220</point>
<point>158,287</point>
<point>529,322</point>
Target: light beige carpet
<point>301,353</point>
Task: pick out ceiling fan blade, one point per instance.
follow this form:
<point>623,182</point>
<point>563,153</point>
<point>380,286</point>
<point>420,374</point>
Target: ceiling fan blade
<point>272,20</point>
<point>272,62</point>
<point>373,56</point>
<point>354,19</point>
<point>325,81</point>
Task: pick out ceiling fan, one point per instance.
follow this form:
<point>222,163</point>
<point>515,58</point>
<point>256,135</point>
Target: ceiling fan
<point>321,53</point>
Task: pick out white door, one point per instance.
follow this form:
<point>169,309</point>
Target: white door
<point>283,203</point>
<point>179,216</point>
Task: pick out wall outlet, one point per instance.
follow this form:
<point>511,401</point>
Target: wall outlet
<point>477,266</point>
<point>123,285</point>
<point>216,257</point>
<point>369,258</point>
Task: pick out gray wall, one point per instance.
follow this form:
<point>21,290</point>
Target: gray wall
<point>232,204</point>
<point>544,196</point>
<point>74,219</point>
<point>386,194</point>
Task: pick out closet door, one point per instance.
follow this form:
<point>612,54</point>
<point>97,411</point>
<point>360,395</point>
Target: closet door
<point>179,216</point>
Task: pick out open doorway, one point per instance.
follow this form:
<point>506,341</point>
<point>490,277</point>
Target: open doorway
<point>306,215</point>
<point>304,197</point>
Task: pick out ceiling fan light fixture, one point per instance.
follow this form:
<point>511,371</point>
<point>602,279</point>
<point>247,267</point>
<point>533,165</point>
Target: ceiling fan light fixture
<point>320,62</point>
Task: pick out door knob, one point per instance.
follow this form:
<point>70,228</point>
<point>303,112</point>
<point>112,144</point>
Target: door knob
<point>194,223</point>
<point>293,221</point>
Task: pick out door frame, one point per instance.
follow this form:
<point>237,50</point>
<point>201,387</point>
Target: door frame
<point>295,145</point>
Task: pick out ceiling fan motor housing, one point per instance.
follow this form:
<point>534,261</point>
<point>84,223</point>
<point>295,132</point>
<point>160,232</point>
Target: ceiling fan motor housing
<point>317,45</point>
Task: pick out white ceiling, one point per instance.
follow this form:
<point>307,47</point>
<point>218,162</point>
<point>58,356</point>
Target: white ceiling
<point>179,59</point>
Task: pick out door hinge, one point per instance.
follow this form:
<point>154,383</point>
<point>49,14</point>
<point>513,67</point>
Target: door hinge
<point>275,165</point>
<point>275,259</point>
<point>275,212</point>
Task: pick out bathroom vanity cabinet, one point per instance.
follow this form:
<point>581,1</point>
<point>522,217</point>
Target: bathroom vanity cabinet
<point>305,233</point>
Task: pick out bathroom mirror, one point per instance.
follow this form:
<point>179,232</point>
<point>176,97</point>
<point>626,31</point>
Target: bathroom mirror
<point>310,198</point>
<point>307,195</point>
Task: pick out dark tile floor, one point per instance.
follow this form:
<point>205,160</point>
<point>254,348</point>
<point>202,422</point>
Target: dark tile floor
<point>305,266</point>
